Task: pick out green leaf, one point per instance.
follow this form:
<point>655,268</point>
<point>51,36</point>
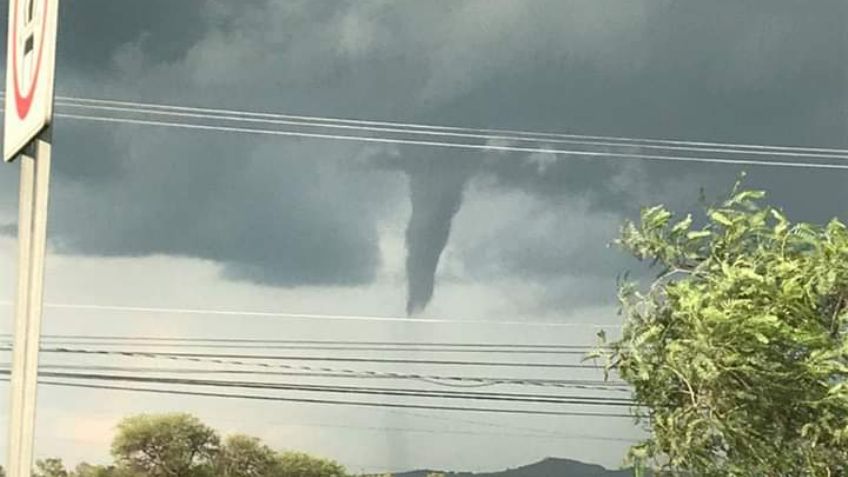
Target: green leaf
<point>698,234</point>
<point>719,217</point>
<point>682,225</point>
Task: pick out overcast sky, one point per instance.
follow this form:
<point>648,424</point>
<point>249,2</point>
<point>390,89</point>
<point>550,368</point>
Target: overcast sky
<point>146,216</point>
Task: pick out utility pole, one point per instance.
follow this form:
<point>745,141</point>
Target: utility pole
<point>28,114</point>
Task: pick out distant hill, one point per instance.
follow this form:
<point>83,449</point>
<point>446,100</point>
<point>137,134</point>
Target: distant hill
<point>550,467</point>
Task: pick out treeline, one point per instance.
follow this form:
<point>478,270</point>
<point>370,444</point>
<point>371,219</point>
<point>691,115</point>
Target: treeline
<point>180,445</point>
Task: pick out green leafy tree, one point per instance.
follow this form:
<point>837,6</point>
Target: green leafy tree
<point>167,445</point>
<point>85,469</point>
<point>737,352</point>
<point>245,456</point>
<point>51,467</point>
<point>298,464</point>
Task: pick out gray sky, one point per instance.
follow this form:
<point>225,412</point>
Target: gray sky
<point>169,218</point>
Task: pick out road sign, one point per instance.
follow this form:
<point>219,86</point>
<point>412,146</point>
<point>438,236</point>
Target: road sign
<point>30,66</point>
<point>31,53</point>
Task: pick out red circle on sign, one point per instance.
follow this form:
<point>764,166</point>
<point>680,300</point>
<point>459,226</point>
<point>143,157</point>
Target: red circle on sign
<point>23,103</point>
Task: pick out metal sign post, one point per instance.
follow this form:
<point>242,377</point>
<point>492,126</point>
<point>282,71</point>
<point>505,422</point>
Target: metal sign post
<point>32,235</point>
<point>28,112</point>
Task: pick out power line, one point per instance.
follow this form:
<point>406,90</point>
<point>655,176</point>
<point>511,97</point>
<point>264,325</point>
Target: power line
<point>440,380</point>
<point>526,431</point>
<point>316,316</point>
<point>334,389</point>
<point>430,378</point>
<point>199,113</point>
<point>201,371</point>
<point>583,384</point>
<point>336,402</point>
<point>315,345</point>
<point>453,145</point>
<point>171,345</point>
<point>316,348</point>
<point>430,127</point>
<point>314,342</point>
<point>338,359</point>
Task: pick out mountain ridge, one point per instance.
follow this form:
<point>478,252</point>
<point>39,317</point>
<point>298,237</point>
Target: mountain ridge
<point>549,467</point>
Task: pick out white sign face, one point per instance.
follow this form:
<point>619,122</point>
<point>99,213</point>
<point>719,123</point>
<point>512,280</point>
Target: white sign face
<point>30,64</point>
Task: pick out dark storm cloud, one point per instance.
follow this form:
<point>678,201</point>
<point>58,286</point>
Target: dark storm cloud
<point>749,71</point>
<point>93,30</point>
<point>765,71</point>
<point>276,214</point>
<point>264,212</point>
<point>89,154</point>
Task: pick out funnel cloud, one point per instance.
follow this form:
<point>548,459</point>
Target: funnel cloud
<point>435,190</point>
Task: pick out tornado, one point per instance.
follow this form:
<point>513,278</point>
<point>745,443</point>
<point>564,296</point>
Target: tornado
<point>435,188</point>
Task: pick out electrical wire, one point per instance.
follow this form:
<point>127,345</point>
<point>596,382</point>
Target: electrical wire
<point>310,345</point>
<point>140,108</point>
<point>526,431</point>
<point>497,133</point>
<point>432,362</point>
<point>330,372</point>
<point>255,397</point>
<point>315,316</point>
<point>584,384</point>
<point>335,389</point>
<point>307,347</point>
<point>453,145</point>
<point>312,341</point>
